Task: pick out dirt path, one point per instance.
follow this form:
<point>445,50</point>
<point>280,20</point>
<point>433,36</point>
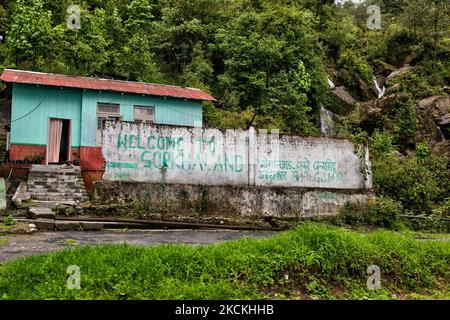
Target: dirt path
<point>16,246</point>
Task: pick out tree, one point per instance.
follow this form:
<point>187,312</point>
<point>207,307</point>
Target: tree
<point>86,49</point>
<point>32,41</point>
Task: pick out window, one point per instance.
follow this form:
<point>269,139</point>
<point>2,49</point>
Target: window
<point>108,108</point>
<point>144,114</point>
<point>105,112</point>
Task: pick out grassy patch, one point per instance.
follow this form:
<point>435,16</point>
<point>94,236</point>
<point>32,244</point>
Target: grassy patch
<point>16,228</point>
<point>311,262</point>
<point>68,242</point>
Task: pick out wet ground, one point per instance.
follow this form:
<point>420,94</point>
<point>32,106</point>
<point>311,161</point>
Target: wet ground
<point>20,245</point>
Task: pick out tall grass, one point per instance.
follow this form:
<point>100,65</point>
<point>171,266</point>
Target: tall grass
<point>317,258</point>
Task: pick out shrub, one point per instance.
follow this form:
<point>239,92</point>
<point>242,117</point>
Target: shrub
<point>422,150</point>
<point>9,221</point>
<point>355,63</point>
<point>420,184</point>
<point>382,142</point>
<point>380,212</point>
<point>405,121</point>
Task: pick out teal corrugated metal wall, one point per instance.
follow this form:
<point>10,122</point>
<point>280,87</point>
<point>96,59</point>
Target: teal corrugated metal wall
<point>80,106</point>
<point>29,121</point>
<point>167,111</point>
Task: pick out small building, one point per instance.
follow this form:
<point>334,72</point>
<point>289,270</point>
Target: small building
<point>58,118</point>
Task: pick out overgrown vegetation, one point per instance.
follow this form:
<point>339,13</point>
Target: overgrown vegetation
<point>319,261</point>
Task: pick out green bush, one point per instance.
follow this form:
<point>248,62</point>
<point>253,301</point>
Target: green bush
<point>422,150</point>
<point>382,142</point>
<point>419,184</point>
<point>355,63</point>
<point>399,45</point>
<point>9,221</point>
<point>381,212</point>
<point>403,115</point>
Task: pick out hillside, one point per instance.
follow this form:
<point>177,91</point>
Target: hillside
<point>300,66</point>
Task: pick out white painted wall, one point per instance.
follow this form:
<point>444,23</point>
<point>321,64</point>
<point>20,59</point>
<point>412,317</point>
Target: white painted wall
<point>233,157</point>
<point>308,162</point>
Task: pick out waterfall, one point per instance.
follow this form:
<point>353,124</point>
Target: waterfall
<point>380,91</point>
<point>440,131</point>
<point>331,84</point>
<point>326,122</point>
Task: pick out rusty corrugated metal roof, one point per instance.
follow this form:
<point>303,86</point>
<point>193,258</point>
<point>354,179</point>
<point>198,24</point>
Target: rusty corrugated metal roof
<point>59,80</point>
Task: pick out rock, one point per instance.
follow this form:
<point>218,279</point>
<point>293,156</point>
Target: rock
<point>433,114</point>
<point>45,224</point>
<point>371,113</point>
<point>399,155</point>
<point>334,72</point>
<point>439,107</point>
<point>21,194</point>
<point>17,202</point>
<point>25,196</point>
<point>343,95</point>
<point>364,91</point>
<point>32,227</point>
<point>400,72</point>
<point>414,53</point>
<point>442,149</point>
<point>395,88</point>
<point>23,187</point>
<point>39,212</point>
<point>401,53</point>
<point>382,68</point>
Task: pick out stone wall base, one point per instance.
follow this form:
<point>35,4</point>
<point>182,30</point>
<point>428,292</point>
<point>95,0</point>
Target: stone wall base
<point>237,201</point>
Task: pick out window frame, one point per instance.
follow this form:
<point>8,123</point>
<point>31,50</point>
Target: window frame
<point>143,107</point>
<point>103,117</point>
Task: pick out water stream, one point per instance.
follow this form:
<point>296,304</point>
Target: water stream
<point>379,90</point>
<point>326,122</point>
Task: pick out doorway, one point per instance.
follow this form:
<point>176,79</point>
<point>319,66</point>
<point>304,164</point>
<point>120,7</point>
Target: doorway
<point>58,141</point>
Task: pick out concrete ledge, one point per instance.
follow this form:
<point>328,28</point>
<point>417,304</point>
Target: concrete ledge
<point>244,201</point>
<point>54,168</point>
<point>67,225</point>
<point>44,224</point>
<point>92,226</point>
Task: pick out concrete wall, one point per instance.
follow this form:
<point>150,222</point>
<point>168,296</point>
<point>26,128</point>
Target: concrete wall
<point>177,155</point>
<point>154,153</point>
<point>246,202</point>
<point>307,162</point>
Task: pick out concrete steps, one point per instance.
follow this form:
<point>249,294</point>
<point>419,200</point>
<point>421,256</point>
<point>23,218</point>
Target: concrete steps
<point>41,213</point>
<point>53,183</point>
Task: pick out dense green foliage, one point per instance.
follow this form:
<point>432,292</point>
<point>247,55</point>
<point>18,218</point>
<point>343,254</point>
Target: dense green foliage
<point>267,58</point>
<point>320,261</point>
